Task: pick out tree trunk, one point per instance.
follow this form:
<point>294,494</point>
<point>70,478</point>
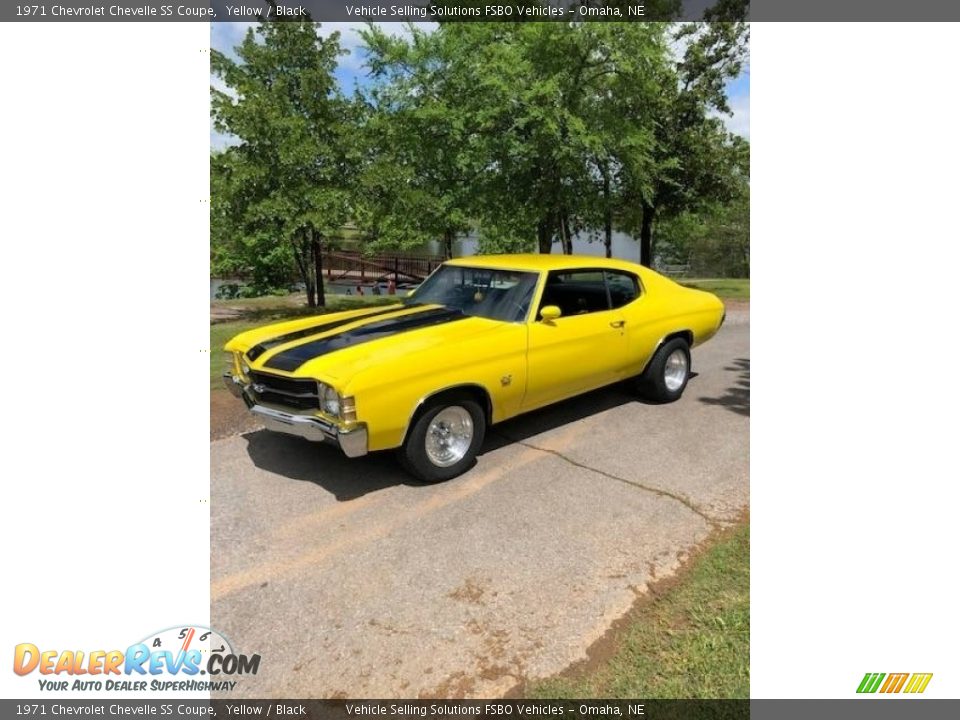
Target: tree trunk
<point>448,236</point>
<point>544,237</point>
<point>301,256</point>
<point>607,214</point>
<point>646,237</point>
<point>566,242</point>
<point>311,292</point>
<point>316,246</point>
<point>608,233</point>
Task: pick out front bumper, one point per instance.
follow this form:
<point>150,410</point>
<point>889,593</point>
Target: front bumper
<point>351,439</point>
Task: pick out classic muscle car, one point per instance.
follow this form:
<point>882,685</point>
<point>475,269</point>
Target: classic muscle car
<point>482,339</point>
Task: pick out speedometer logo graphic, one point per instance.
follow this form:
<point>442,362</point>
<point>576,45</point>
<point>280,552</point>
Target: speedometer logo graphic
<point>181,639</point>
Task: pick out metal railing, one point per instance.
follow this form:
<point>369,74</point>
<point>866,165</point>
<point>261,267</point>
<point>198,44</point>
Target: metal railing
<point>339,265</point>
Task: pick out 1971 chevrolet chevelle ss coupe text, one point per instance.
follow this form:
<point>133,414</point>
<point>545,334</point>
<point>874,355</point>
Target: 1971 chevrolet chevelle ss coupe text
<point>481,340</point>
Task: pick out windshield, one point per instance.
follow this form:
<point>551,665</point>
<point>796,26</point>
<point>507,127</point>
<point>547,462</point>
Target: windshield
<point>484,292</point>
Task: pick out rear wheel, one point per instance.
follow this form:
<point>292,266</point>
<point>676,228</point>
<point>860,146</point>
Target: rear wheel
<point>667,374</point>
<point>444,440</point>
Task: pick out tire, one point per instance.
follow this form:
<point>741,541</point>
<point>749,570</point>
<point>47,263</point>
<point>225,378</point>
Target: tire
<point>666,376</point>
<point>432,456</point>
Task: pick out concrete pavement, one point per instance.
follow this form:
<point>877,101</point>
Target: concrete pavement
<point>350,579</point>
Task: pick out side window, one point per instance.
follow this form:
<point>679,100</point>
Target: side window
<point>624,288</point>
<point>576,292</point>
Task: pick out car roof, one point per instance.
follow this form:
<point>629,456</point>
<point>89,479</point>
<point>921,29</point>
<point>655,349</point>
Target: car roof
<point>540,262</point>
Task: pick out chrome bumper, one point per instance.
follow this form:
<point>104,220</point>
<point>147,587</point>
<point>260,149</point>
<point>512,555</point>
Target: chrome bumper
<point>351,440</point>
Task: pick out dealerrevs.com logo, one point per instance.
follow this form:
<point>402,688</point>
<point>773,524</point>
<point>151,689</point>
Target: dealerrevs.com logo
<point>181,659</point>
<point>894,683</point>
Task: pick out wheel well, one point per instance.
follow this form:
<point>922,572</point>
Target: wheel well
<point>477,393</point>
<point>686,335</point>
<point>683,334</point>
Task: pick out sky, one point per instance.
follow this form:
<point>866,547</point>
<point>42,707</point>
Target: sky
<point>351,72</point>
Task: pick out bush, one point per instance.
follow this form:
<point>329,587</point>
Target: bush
<point>713,243</point>
<point>228,291</point>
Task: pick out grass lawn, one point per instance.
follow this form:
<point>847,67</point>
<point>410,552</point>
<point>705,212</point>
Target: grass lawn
<point>295,305</point>
<point>691,641</point>
<point>724,288</point>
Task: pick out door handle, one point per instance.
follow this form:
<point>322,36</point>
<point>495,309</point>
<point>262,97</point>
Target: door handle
<point>618,323</point>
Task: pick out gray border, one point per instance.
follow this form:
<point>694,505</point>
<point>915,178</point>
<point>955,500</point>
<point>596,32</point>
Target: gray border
<point>872,708</point>
<point>380,10</point>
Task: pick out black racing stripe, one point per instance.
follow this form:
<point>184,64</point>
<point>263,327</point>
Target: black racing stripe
<point>260,348</point>
<point>293,358</point>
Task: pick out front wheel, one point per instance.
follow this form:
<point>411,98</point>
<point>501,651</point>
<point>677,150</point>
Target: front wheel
<point>444,440</point>
<point>667,374</point>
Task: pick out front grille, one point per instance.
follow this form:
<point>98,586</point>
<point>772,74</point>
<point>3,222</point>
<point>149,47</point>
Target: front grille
<point>289,392</point>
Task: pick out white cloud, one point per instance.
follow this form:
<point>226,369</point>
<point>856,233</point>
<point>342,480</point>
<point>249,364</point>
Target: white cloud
<point>225,36</point>
<point>218,84</point>
<point>351,41</point>
<point>739,123</point>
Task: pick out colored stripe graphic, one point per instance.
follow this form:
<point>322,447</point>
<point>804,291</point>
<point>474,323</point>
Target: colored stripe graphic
<point>292,358</point>
<point>894,682</point>
<point>260,348</point>
<point>918,683</point>
<point>870,682</point>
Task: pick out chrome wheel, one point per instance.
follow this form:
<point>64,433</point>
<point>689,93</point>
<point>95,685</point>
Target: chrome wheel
<point>449,436</point>
<point>675,370</point>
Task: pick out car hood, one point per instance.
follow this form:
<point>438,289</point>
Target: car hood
<point>338,346</point>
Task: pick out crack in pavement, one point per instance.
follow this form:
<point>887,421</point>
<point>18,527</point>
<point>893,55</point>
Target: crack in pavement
<point>686,502</point>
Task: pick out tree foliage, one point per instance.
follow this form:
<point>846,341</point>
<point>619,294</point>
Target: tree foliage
<point>537,131</point>
<point>527,133</point>
<point>420,162</point>
<point>285,186</point>
<point>713,241</point>
<point>695,160</point>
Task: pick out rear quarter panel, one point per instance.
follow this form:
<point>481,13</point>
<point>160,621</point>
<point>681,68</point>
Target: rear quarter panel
<point>666,308</point>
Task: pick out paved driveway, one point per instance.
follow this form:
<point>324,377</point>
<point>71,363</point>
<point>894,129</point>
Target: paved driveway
<point>350,579</point>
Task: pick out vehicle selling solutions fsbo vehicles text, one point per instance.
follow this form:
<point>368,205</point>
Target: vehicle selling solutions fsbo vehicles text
<point>499,10</point>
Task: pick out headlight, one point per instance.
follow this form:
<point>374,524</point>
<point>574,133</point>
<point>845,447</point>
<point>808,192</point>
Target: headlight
<point>329,400</point>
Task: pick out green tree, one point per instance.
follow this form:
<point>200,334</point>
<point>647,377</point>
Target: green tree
<point>517,126</point>
<point>287,181</point>
<point>537,131</point>
<point>695,160</point>
<point>714,241</point>
<point>416,184</point>
<point>237,248</point>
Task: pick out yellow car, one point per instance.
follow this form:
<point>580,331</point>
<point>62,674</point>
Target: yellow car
<point>483,339</point>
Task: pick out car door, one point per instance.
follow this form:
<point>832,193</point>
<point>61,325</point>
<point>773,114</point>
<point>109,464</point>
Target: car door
<point>584,348</point>
<point>626,295</point>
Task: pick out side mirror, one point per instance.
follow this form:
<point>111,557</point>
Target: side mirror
<point>549,313</point>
